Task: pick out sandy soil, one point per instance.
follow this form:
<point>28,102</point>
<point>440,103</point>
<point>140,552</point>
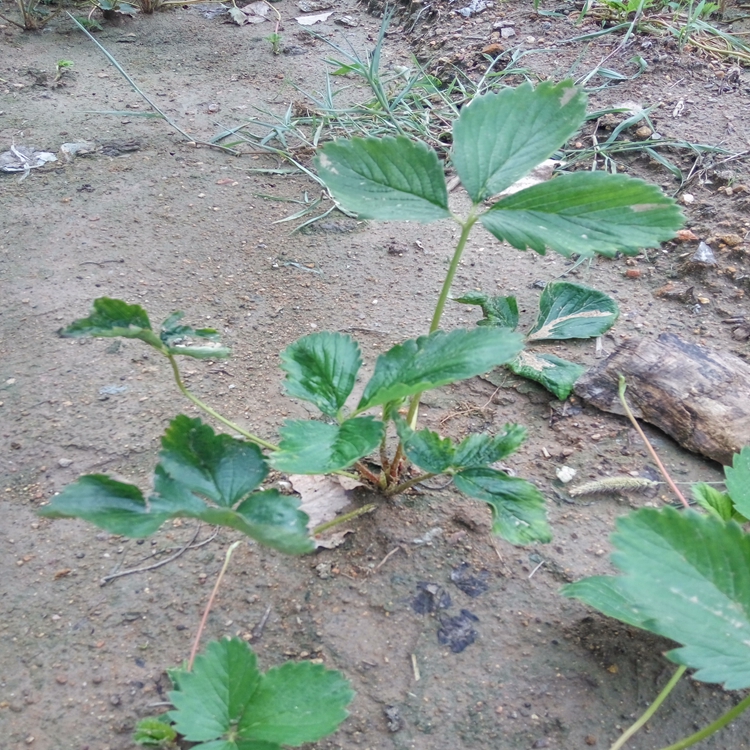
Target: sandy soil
<point>171,226</point>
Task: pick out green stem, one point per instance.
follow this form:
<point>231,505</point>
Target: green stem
<point>397,489</point>
<point>226,422</point>
<point>654,455</point>
<point>343,519</point>
<point>232,547</point>
<point>466,227</point>
<point>650,711</point>
<point>720,723</point>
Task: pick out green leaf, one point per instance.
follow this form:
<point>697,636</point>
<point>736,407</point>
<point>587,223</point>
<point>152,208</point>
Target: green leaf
<point>217,466</point>
<point>429,451</point>
<point>438,359</point>
<point>275,520</point>
<point>114,506</point>
<point>585,213</point>
<point>609,596</point>
<point>557,375</point>
<point>322,368</point>
<point>154,732</point>
<point>480,449</point>
<point>226,702</point>
<point>689,574</point>
<point>517,505</point>
<point>113,317</point>
<point>295,703</point>
<point>498,311</point>
<point>390,179</point>
<point>717,503</point>
<point>499,138</point>
<point>573,311</point>
<point>177,338</point>
<point>738,481</point>
<point>309,447</point>
<point>216,694</point>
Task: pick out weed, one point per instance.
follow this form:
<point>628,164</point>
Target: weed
<point>275,40</point>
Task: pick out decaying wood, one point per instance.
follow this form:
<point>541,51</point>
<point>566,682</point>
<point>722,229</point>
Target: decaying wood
<point>698,396</point>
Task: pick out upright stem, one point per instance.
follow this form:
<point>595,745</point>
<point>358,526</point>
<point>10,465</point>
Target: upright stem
<point>650,711</point>
<point>720,723</point>
<point>466,227</point>
<point>201,627</point>
<point>228,423</point>
<point>654,455</point>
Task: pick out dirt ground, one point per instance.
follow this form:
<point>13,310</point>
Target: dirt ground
<point>154,220</point>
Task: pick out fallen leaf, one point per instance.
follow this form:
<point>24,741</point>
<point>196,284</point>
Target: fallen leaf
<point>332,540</point>
<point>539,174</point>
<point>322,497</point>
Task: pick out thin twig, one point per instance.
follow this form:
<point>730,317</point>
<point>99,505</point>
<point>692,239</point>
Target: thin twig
<point>201,627</point>
<point>385,559</point>
<point>104,581</point>
<point>257,633</point>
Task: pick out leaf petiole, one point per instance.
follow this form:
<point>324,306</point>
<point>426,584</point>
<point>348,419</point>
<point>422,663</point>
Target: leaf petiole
<point>206,408</point>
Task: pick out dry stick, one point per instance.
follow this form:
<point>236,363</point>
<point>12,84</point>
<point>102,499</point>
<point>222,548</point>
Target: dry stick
<point>201,627</point>
<point>104,581</point>
<point>657,460</point>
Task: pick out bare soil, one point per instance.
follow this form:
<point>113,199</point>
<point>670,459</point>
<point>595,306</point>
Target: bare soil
<point>160,222</point>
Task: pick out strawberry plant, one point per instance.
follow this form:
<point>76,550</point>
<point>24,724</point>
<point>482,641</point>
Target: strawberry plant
<point>497,139</point>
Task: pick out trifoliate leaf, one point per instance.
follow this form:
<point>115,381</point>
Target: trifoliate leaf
<point>500,137</point>
<point>321,368</point>
<point>154,732</point>
<point>217,466</point>
<point>517,505</point>
<point>438,359</point>
<point>309,447</point>
<point>573,311</point>
<point>481,449</point>
<point>498,311</point>
<point>715,502</point>
<point>391,179</point>
<point>585,213</point>
<point>228,704</point>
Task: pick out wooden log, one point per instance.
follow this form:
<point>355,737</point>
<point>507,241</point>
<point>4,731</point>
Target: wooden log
<point>698,396</point>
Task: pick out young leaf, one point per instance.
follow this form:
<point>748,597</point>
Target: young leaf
<point>609,596</point>
<point>390,179</point>
<point>480,449</point>
<point>585,213</point>
<point>517,505</point>
<point>177,338</point>
<point>717,503</point>
<point>295,703</point>
<point>498,138</point>
<point>113,317</point>
<point>309,447</point>
<point>438,359</point>
<point>217,466</point>
<point>114,506</point>
<point>321,368</point>
<point>216,694</point>
<point>498,311</point>
<point>557,375</point>
<point>689,575</point>
<point>573,311</point>
<point>738,481</point>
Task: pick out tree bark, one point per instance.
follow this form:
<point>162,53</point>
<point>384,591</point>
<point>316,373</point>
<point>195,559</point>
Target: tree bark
<point>698,396</point>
